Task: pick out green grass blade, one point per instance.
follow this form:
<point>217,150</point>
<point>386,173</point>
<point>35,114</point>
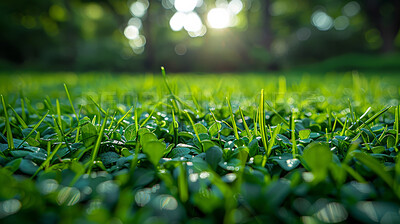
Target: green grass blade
<point>375,116</point>
<point>10,140</point>
<point>194,128</point>
<point>183,184</point>
<point>98,143</point>
<point>23,109</point>
<point>47,161</point>
<point>245,125</point>
<point>235,131</point>
<point>70,102</point>
<point>293,134</point>
<point>20,120</point>
<point>33,129</point>
<point>98,106</point>
<point>278,115</point>
<point>59,114</point>
<point>396,125</point>
<point>273,138</point>
<point>262,128</point>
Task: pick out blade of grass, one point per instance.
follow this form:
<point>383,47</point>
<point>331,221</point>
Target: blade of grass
<point>195,130</point>
<point>59,114</point>
<point>183,184</point>
<point>235,131</point>
<point>278,115</point>
<point>70,102</point>
<point>293,135</point>
<point>396,124</point>
<point>262,128</point>
<point>375,166</point>
<point>23,109</point>
<point>20,120</point>
<point>98,143</point>
<point>273,138</point>
<point>175,126</point>
<point>33,129</point>
<point>375,116</point>
<point>10,140</point>
<point>344,127</point>
<point>150,115</point>
<point>47,161</point>
<point>255,122</point>
<point>97,105</point>
<point>245,125</point>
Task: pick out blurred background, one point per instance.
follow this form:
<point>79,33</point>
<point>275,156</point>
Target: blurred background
<point>199,35</point>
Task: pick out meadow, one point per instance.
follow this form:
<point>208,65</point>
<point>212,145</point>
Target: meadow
<point>199,148</point>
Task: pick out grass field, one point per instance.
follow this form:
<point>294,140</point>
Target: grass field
<point>199,148</point>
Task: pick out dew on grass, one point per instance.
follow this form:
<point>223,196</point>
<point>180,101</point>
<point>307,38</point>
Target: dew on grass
<point>193,177</point>
<point>204,175</point>
<point>291,162</point>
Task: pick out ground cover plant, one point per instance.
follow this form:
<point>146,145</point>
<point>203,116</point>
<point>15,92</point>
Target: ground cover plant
<point>97,148</point>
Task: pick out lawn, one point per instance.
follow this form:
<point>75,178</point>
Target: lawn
<point>199,148</point>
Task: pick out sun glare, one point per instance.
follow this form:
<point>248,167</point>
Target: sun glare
<point>219,18</point>
<point>185,5</point>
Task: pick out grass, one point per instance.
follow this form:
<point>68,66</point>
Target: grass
<point>189,148</point>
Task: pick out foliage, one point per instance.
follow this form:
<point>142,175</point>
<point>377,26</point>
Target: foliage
<point>151,149</point>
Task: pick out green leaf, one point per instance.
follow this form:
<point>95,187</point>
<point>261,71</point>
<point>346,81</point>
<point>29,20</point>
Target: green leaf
<point>304,134</point>
<point>148,137</point>
<point>13,165</point>
<point>200,128</point>
<point>286,161</point>
<point>207,144</point>
<point>154,151</point>
<point>378,149</point>
<point>179,152</point>
<point>253,147</point>
<point>391,141</point>
<point>318,157</point>
<point>88,132</point>
<point>28,167</point>
<point>130,132</point>
<point>214,156</point>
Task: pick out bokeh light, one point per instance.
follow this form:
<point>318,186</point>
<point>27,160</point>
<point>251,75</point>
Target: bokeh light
<point>190,21</point>
<point>185,5</point>
<point>142,197</point>
<point>139,8</point>
<point>68,196</point>
<point>219,18</point>
<point>9,207</point>
<point>193,22</point>
<point>135,22</point>
<point>332,213</point>
<point>341,23</point>
<point>351,9</point>
<point>235,6</point>
<point>303,34</point>
<point>167,202</point>
<point>131,32</point>
<point>321,20</point>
